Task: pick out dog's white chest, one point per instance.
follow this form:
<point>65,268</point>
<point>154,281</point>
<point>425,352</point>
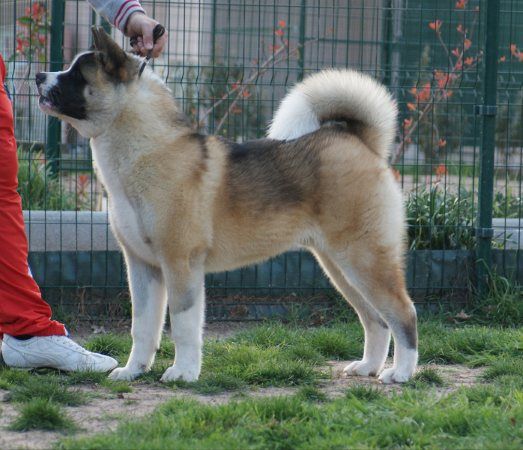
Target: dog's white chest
<point>125,222</point>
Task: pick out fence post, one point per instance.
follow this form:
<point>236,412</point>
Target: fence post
<point>301,42</point>
<point>397,12</point>
<point>56,62</point>
<point>484,230</point>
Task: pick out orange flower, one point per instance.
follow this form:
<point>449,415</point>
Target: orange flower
<point>411,106</point>
<point>516,53</point>
<point>467,43</point>
<point>282,24</point>
<point>461,4</point>
<point>442,143</point>
<point>436,25</point>
<point>397,175</point>
<point>19,45</point>
<point>424,94</point>
<point>37,11</point>
<point>443,79</point>
<point>83,179</point>
<point>246,94</point>
<point>83,184</point>
<point>441,170</point>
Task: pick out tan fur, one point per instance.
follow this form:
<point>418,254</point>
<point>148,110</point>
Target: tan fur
<point>183,204</point>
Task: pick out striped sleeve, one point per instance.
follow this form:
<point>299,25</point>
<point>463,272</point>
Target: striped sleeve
<point>117,12</point>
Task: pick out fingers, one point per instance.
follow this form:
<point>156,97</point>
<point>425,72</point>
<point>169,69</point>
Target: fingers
<point>138,47</point>
<point>160,44</point>
<point>141,26</point>
<point>147,33</point>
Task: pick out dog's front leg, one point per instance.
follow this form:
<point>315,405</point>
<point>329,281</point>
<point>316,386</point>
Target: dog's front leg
<point>186,299</point>
<point>148,297</point>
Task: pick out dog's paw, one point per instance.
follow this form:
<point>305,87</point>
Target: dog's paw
<point>175,373</point>
<point>124,374</point>
<point>362,369</point>
<point>395,375</point>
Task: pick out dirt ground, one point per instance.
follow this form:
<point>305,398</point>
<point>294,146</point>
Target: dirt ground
<point>106,410</point>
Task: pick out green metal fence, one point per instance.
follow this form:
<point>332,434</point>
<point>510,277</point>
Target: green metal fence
<point>455,66</point>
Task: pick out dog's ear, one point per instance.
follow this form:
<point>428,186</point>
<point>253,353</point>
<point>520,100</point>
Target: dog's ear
<point>114,60</point>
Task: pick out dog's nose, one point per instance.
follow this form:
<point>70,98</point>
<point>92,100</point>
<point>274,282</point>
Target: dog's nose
<point>40,78</point>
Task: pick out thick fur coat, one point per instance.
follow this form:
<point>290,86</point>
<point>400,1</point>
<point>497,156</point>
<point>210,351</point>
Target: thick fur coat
<point>184,204</point>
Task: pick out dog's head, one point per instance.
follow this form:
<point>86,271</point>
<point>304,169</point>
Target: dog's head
<point>89,92</point>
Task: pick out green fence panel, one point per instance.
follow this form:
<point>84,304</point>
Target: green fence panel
<point>229,63</point>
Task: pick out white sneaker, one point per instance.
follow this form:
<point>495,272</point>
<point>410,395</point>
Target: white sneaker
<point>58,352</point>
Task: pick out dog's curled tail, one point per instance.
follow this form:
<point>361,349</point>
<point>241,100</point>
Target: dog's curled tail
<point>334,95</point>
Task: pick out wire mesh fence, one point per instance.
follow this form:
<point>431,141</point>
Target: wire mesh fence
<point>228,63</point>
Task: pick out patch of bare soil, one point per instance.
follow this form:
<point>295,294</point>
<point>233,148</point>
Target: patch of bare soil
<point>454,377</point>
<point>106,410</point>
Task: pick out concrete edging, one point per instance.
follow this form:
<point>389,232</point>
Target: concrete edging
<point>90,231</point>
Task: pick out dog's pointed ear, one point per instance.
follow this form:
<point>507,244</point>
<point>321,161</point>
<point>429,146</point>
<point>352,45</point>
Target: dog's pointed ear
<point>114,60</point>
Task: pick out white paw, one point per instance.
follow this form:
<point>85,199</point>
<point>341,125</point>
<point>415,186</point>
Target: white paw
<point>362,369</point>
<point>174,373</point>
<point>124,374</point>
<point>394,375</point>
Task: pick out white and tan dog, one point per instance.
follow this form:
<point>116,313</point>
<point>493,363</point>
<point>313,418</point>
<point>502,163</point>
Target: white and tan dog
<point>184,204</point>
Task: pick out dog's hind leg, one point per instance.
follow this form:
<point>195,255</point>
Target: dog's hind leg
<point>149,305</point>
<point>377,273</point>
<point>377,333</point>
<point>186,298</point>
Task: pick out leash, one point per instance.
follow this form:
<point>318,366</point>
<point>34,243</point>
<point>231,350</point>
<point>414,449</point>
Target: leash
<point>158,32</point>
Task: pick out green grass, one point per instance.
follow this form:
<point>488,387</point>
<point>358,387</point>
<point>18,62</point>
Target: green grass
<point>424,413</point>
<point>41,414</point>
<point>467,344</point>
<point>47,387</point>
<point>274,354</point>
<point>428,376</point>
<point>502,305</point>
<point>311,394</point>
<point>364,393</point>
<point>504,367</point>
<point>116,346</point>
<point>473,418</point>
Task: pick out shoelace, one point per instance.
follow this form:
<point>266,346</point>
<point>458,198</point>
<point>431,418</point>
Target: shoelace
<point>64,341</point>
<point>58,340</point>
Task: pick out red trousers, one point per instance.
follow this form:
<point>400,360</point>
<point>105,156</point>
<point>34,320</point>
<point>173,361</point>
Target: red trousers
<point>22,309</point>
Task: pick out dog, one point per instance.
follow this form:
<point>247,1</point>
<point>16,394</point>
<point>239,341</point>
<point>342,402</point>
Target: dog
<point>183,204</point>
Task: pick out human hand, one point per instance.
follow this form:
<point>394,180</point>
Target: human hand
<point>141,26</point>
